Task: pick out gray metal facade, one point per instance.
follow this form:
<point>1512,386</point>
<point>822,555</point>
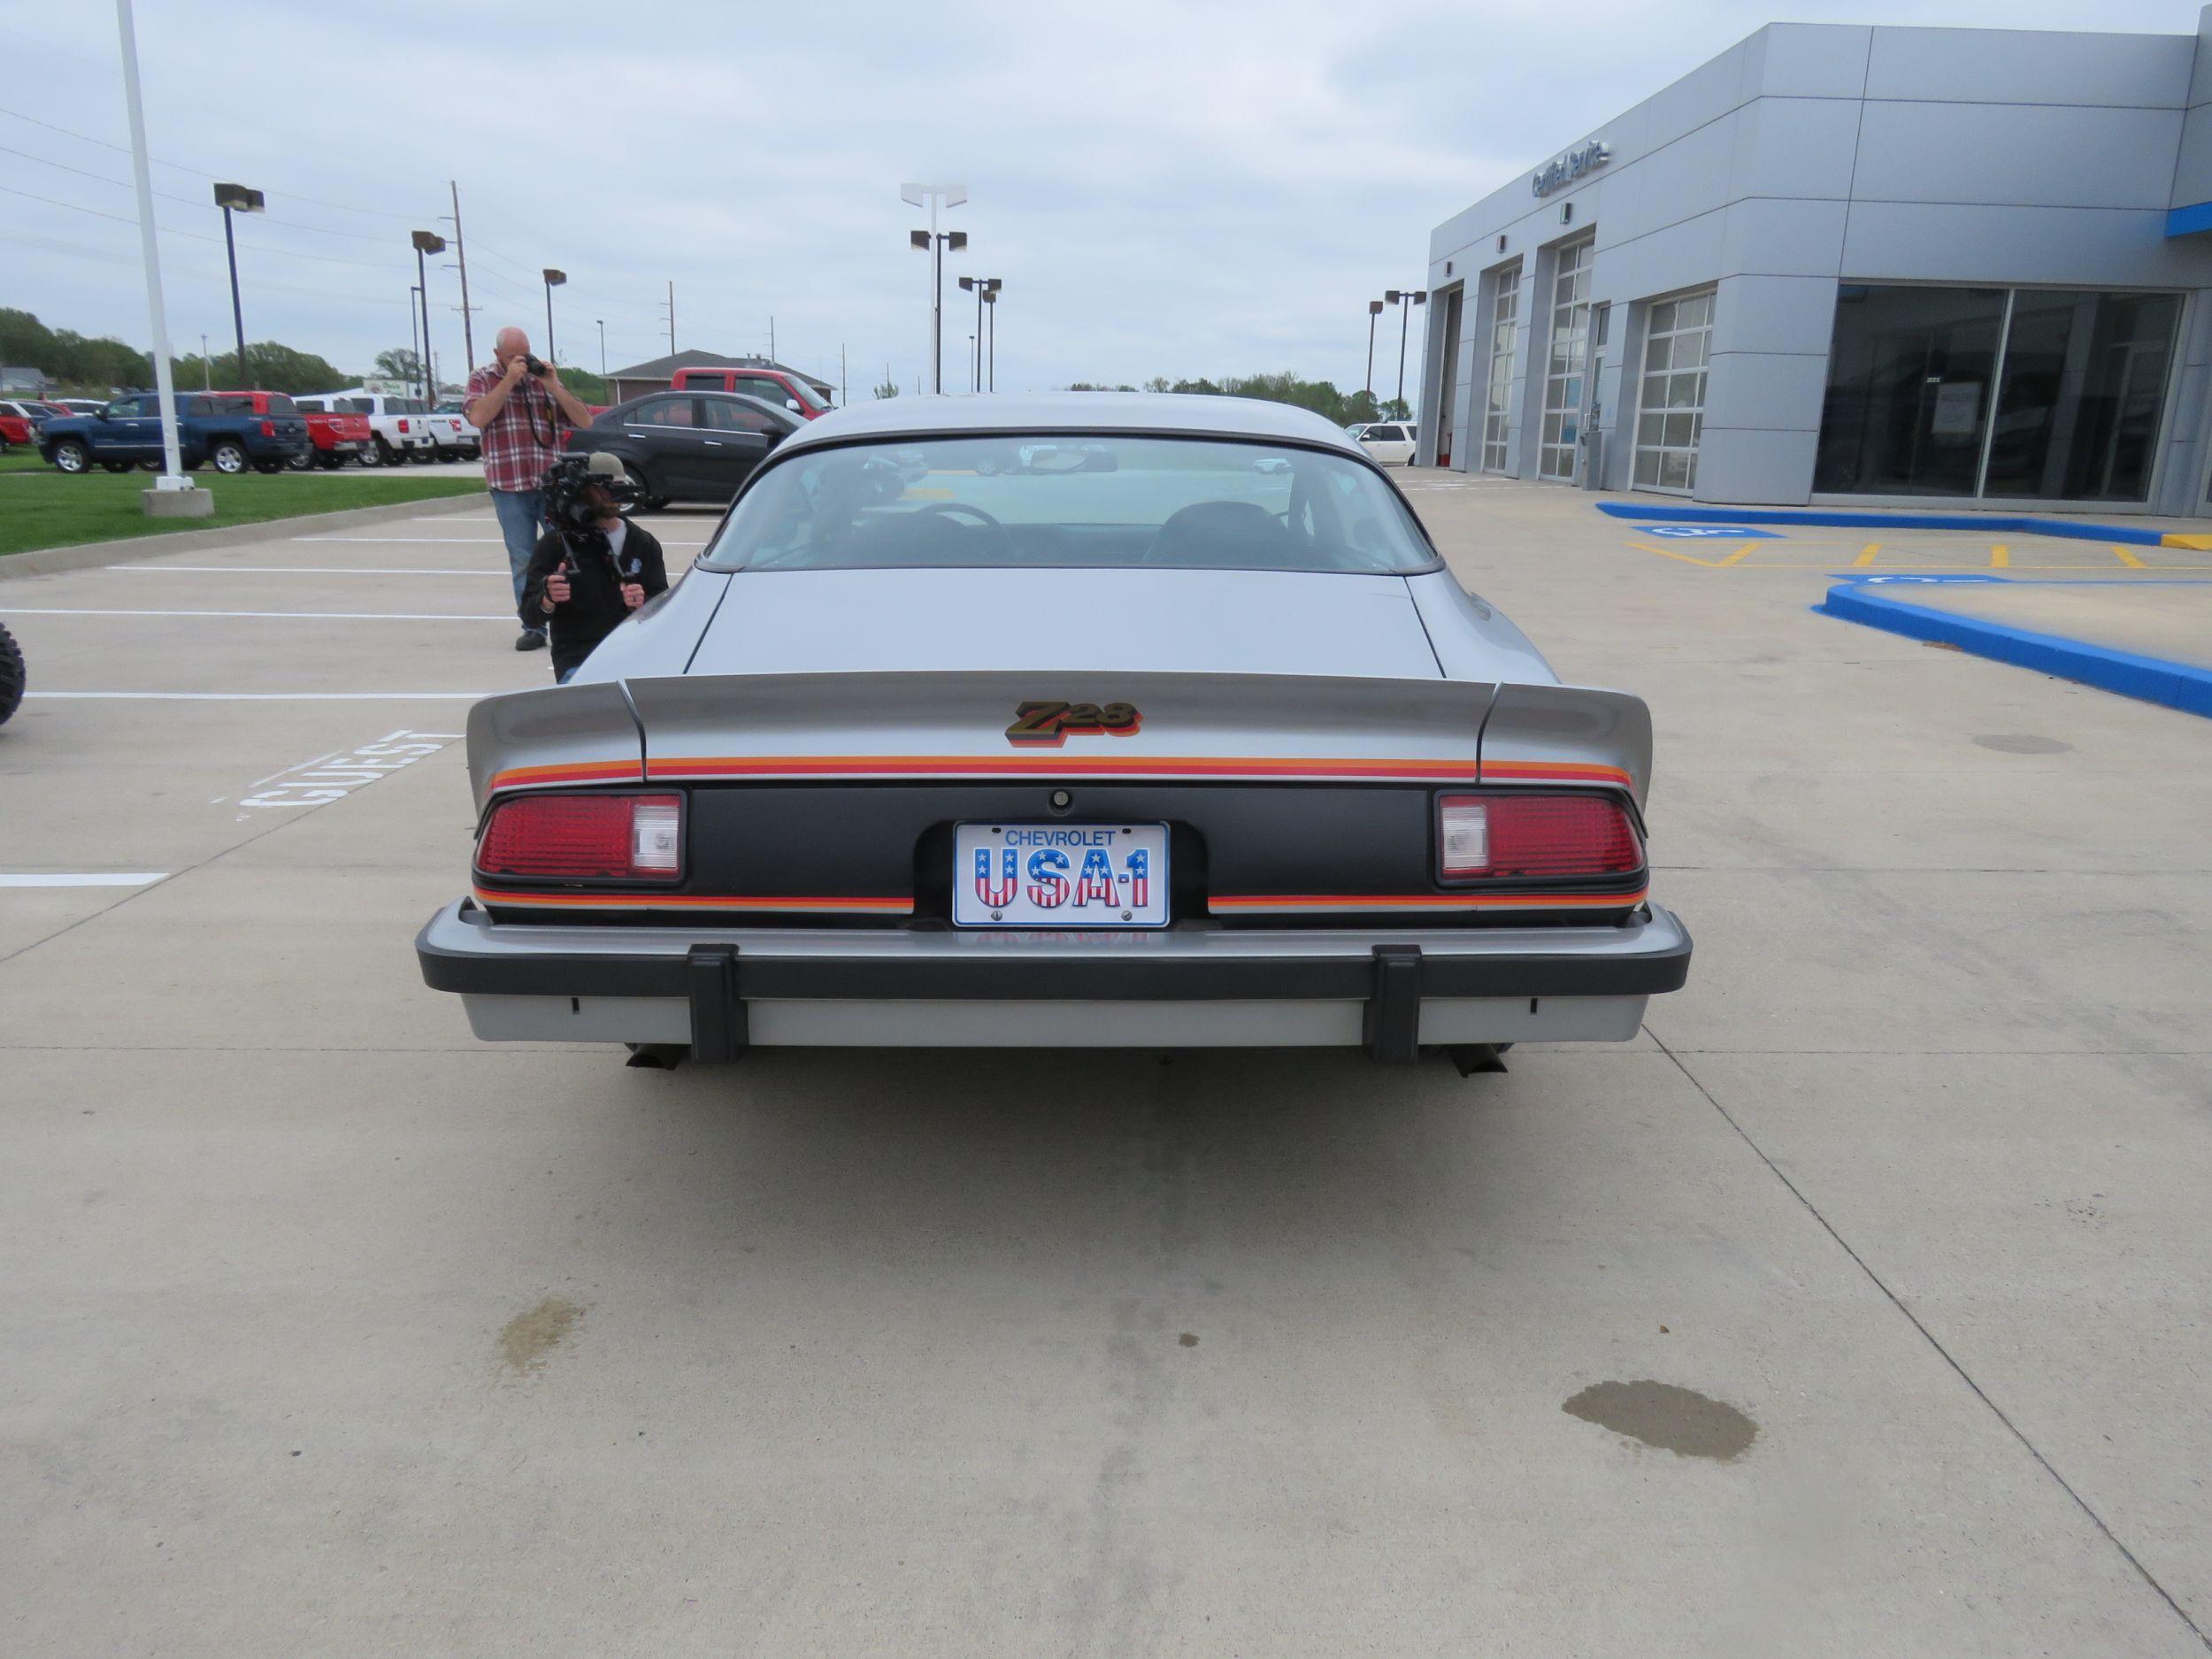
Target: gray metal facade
<point>1812,155</point>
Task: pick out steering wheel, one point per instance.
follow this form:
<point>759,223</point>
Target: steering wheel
<point>1005,541</point>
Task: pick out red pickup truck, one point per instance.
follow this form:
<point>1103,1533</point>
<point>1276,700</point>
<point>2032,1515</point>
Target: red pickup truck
<point>337,438</point>
<point>784,391</point>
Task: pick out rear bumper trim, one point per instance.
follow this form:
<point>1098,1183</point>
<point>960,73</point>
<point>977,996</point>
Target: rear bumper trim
<point>460,949</point>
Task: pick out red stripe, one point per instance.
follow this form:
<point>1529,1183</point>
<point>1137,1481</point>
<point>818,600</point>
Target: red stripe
<point>1424,901</point>
<point>1552,772</point>
<point>1050,765</point>
<point>699,902</point>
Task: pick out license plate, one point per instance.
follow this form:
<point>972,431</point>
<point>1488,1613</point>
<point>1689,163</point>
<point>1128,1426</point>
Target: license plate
<point>1059,875</point>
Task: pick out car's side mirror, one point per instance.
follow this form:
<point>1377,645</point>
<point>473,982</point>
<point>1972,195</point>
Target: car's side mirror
<point>792,404</point>
<point>100,415</point>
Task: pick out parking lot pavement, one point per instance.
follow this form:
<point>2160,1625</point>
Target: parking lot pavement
<point>328,1330</point>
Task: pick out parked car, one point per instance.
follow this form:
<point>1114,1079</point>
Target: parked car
<point>785,391</point>
<point>687,445</point>
<point>20,423</point>
<point>77,406</point>
<point>454,433</point>
<point>887,768</point>
<point>336,439</point>
<point>399,427</point>
<point>127,433</point>
<point>1387,442</point>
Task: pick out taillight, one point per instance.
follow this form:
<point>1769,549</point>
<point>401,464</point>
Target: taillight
<point>1516,834</point>
<point>268,428</point>
<point>585,837</point>
<point>402,426</point>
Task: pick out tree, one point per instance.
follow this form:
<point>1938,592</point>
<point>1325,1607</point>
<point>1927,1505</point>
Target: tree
<point>889,388</point>
<point>271,368</point>
<point>400,362</point>
<point>1158,383</point>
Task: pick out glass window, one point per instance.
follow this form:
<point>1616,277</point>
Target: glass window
<point>2079,404</point>
<point>1670,409</point>
<point>279,404</point>
<point>1570,351</point>
<point>726,416</point>
<point>1504,330</point>
<point>1074,500</point>
<point>1908,398</point>
<point>355,405</point>
<point>2074,413</point>
<point>664,411</point>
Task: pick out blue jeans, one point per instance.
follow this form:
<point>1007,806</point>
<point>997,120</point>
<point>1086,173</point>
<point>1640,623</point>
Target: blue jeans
<point>518,511</point>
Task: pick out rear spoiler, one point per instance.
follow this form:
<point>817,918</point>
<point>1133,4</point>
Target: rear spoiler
<point>1043,724</point>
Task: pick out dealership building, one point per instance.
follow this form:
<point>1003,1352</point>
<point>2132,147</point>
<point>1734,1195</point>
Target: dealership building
<point>1846,264</point>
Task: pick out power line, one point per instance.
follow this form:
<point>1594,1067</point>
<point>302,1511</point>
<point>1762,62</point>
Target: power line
<point>188,201</point>
<point>122,150</point>
<point>169,230</point>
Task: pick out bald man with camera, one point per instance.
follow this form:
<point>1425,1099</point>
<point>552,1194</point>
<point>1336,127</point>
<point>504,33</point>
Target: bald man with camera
<point>524,414</point>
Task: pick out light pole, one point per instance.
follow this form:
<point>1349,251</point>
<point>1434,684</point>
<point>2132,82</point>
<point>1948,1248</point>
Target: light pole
<point>1411,299</point>
<point>602,346</point>
<point>553,280</point>
<point>426,242</point>
<point>172,495</point>
<point>984,289</point>
<point>207,369</point>
<point>1374,310</point>
<point>990,379</point>
<point>933,242</point>
<point>414,330</point>
<point>237,198</point>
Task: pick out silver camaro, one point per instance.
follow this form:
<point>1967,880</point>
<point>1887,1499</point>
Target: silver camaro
<point>1069,721</point>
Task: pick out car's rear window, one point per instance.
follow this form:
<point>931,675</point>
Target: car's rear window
<point>1074,500</point>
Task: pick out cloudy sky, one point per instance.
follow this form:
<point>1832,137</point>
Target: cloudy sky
<point>1167,186</point>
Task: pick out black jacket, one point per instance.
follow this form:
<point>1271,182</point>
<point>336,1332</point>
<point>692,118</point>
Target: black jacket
<point>594,606</point>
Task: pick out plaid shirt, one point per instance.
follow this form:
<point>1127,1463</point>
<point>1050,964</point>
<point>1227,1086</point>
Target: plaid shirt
<point>525,437</point>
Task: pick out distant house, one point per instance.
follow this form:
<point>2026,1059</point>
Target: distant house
<point>659,373</point>
<point>22,377</point>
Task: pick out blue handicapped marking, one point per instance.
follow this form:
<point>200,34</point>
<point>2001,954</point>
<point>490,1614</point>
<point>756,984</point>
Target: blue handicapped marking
<point>1722,531</point>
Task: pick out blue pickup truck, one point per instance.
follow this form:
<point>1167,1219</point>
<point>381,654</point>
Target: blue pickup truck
<point>215,429</point>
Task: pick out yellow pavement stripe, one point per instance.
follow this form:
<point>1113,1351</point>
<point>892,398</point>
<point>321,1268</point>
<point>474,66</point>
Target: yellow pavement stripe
<point>1669,553</point>
<point>1739,553</point>
<point>2000,557</point>
<point>2194,543</point>
<point>2129,559</point>
<point>1866,558</point>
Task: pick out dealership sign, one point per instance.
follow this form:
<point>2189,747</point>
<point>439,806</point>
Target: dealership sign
<point>1570,166</point>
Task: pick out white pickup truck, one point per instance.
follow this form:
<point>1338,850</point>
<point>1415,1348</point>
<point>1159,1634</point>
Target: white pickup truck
<point>449,425</point>
<point>400,427</point>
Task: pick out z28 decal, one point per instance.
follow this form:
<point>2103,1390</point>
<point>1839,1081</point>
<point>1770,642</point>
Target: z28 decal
<point>1049,725</point>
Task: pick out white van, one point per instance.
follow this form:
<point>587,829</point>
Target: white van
<point>399,426</point>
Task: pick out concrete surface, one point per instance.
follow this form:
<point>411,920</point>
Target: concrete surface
<point>2168,621</point>
<point>325,1330</point>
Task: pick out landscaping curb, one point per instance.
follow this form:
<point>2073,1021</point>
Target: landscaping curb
<point>85,554</point>
<point>2153,679</point>
<point>2011,524</point>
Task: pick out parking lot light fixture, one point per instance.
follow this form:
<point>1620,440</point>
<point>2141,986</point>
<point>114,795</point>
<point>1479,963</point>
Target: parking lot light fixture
<point>1374,310</point>
<point>237,198</point>
<point>1406,299</point>
<point>426,242</point>
<point>990,378</point>
<point>933,242</point>
<point>985,289</point>
<point>553,280</point>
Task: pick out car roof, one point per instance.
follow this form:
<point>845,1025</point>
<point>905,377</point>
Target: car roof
<point>699,391</point>
<point>1171,413</point>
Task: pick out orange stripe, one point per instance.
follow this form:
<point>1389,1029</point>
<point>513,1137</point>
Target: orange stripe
<point>581,771</point>
<point>696,902</point>
<point>1051,765</point>
<point>1424,901</point>
<point>1552,772</point>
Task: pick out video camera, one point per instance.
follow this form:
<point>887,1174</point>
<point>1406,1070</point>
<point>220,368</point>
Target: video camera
<point>569,485</point>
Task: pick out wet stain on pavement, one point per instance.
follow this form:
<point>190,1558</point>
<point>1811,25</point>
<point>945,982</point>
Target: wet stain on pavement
<point>1673,1419</point>
<point>1188,1338</point>
<point>526,1339</point>
<point>2023,743</point>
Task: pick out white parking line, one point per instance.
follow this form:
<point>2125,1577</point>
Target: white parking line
<point>265,697</point>
<point>300,570</point>
<point>137,880</point>
<point>284,616</point>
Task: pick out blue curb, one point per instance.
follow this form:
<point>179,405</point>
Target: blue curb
<point>2132,535</point>
<point>2152,678</point>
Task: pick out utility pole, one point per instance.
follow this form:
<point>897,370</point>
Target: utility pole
<point>426,242</point>
<point>671,317</point>
<point>771,339</point>
<point>461,253</point>
<point>843,395</point>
